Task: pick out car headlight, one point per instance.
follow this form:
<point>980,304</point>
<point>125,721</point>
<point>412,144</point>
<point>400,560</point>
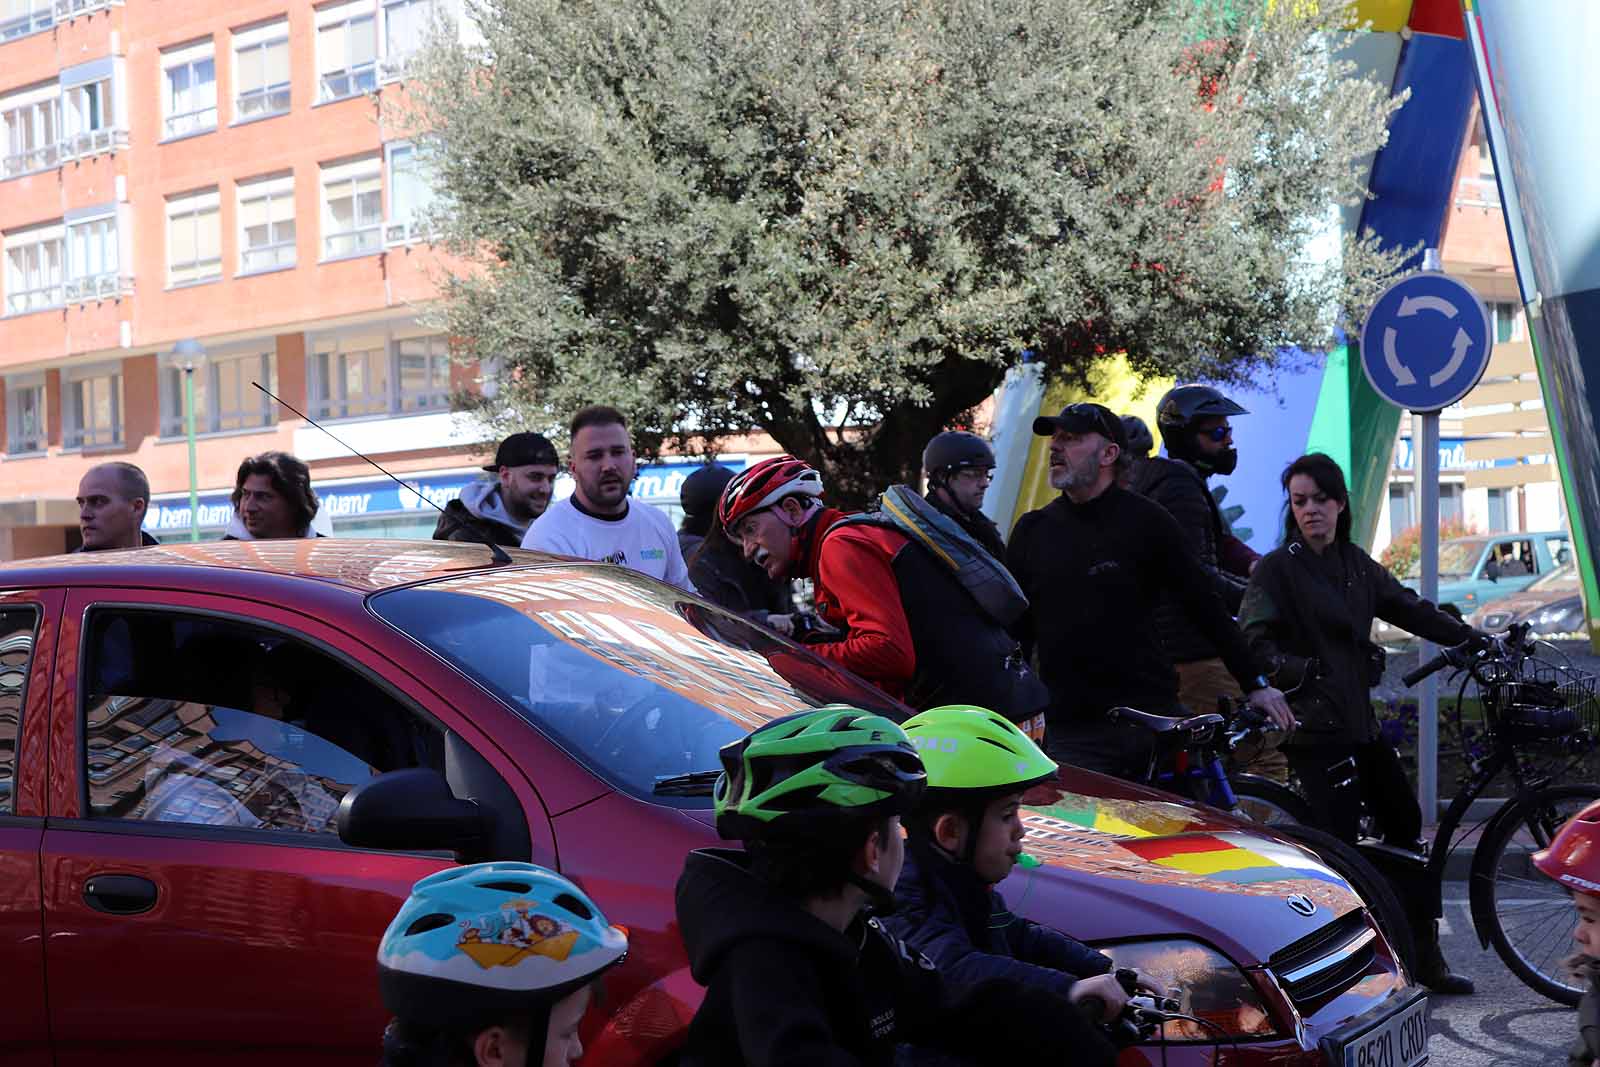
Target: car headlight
<point>1207,984</point>
<point>1559,618</point>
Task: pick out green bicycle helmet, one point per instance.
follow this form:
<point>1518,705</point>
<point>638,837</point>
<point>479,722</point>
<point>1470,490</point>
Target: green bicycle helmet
<point>807,774</point>
<point>968,749</point>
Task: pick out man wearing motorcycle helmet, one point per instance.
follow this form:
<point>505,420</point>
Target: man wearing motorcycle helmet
<point>1194,426</point>
<point>492,965</point>
<point>959,466</point>
<point>1573,859</point>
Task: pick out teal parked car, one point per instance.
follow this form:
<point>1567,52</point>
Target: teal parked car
<point>1483,567</point>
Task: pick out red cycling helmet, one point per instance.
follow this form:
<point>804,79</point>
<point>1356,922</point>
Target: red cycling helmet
<point>763,485</point>
<point>1573,858</point>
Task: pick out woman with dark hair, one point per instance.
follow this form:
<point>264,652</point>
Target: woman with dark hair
<point>1307,612</point>
<point>272,498</point>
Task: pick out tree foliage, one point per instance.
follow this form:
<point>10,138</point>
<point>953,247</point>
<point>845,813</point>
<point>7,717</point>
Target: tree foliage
<point>841,220</point>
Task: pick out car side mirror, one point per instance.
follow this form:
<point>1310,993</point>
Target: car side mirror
<point>413,810</point>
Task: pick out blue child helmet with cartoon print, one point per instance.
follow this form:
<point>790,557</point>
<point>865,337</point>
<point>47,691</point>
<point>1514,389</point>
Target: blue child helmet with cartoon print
<point>476,945</point>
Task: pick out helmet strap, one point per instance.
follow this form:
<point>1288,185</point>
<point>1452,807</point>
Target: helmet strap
<point>879,899</point>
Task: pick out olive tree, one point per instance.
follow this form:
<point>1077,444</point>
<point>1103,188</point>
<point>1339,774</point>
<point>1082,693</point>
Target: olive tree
<point>840,221</point>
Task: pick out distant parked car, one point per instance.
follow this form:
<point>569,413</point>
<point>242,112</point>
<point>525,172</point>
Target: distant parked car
<point>1552,605</point>
<point>1473,570</point>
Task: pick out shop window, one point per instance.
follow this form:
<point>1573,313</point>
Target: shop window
<point>224,399</point>
<point>261,71</point>
<point>355,375</point>
<point>422,366</point>
<point>91,407</point>
<point>189,82</point>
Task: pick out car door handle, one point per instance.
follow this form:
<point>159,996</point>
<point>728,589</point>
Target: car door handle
<point>119,894</point>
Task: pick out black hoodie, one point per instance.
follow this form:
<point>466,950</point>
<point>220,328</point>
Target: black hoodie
<point>783,987</point>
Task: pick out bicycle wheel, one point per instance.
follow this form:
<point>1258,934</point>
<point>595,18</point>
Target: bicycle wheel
<point>1264,801</point>
<point>1373,888</point>
<point>1527,917</point>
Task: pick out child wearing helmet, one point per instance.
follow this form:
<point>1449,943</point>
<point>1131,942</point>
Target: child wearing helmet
<point>796,971</point>
<point>492,965</point>
<point>965,837</point>
<point>1573,859</point>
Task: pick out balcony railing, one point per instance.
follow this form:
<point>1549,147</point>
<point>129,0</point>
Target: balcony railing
<point>1478,192</point>
<point>93,143</point>
<point>402,233</point>
<point>66,9</point>
<point>22,301</point>
<point>187,122</point>
<point>350,242</point>
<point>44,157</point>
<point>338,84</point>
<point>99,287</point>
<point>26,23</point>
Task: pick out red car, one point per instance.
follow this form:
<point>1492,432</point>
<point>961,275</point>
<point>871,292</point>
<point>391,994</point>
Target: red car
<point>179,726</point>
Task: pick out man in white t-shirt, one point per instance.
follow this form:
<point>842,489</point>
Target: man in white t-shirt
<point>597,521</point>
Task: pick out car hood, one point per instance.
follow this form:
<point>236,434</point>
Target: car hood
<point>1143,863</point>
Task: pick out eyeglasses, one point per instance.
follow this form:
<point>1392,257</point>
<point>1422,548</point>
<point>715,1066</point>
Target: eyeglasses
<point>1218,434</point>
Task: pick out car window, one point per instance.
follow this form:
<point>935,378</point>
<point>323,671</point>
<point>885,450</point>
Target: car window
<point>18,627</point>
<point>1560,578</point>
<point>198,720</point>
<point>636,678</point>
<point>1560,549</point>
<point>1511,559</point>
<point>1457,559</point>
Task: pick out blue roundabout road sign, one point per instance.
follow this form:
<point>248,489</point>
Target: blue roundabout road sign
<point>1426,342</point>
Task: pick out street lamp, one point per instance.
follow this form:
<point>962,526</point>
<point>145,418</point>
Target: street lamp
<point>189,354</point>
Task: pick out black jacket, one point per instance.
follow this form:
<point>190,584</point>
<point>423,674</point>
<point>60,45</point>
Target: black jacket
<point>1301,606</point>
<point>1585,1051</point>
<point>145,541</point>
<point>783,987</point>
<point>459,524</point>
<point>1093,574</point>
<point>1181,489</point>
<point>981,529</point>
<point>962,924</point>
<point>727,580</point>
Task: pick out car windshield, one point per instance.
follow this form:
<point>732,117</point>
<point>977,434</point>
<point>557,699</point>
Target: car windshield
<point>1457,559</point>
<point>637,679</point>
<point>1559,579</point>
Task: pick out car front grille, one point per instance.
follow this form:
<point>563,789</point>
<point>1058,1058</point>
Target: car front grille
<point>1326,961</point>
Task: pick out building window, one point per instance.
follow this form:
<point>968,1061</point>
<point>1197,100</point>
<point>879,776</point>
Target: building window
<point>374,373</point>
<point>347,49</point>
<point>33,128</point>
<point>1399,509</point>
<point>1497,511</point>
<point>25,429</point>
<point>1506,325</point>
<point>24,17</point>
<point>411,194</point>
<point>406,25</point>
<point>91,407</point>
<point>1450,502</point>
<point>422,367</point>
<point>224,399</point>
<point>266,224</point>
<point>261,71</point>
<point>352,207</point>
<point>92,258</point>
<point>189,96</point>
<point>35,268</point>
<point>194,238</point>
<point>349,376</point>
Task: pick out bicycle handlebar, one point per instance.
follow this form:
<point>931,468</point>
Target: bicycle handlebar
<point>1514,642</point>
<point>1417,674</point>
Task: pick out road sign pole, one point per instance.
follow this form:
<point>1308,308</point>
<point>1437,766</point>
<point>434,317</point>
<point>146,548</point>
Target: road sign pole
<point>1427,470</point>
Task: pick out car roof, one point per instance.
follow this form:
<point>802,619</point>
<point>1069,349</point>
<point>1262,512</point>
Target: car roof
<point>360,565</point>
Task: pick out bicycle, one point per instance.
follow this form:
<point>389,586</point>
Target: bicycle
<point>1536,713</point>
<point>1188,758</point>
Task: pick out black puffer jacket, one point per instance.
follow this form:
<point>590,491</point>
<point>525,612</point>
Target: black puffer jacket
<point>1177,486</point>
<point>1302,606</point>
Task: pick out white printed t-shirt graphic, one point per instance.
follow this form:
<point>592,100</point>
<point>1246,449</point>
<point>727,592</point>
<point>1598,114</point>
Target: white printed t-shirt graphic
<point>641,539</point>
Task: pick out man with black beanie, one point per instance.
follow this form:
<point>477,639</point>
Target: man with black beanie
<point>501,509</point>
<point>1094,563</point>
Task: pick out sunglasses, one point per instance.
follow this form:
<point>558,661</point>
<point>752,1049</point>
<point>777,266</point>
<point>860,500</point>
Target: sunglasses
<point>1218,434</point>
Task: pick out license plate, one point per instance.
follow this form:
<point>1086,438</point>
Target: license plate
<point>1399,1039</point>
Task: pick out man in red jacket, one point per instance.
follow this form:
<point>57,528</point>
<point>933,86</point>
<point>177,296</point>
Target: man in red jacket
<point>774,511</point>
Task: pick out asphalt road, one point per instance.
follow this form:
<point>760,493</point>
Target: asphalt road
<point>1505,1022</point>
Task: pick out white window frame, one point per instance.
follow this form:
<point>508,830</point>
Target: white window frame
<point>69,9</point>
<point>31,117</point>
<point>195,120</point>
<point>269,98</point>
<point>394,61</point>
<point>278,192</point>
<point>37,16</point>
<point>337,77</point>
<point>191,209</point>
<point>91,276</point>
<point>19,386</point>
<point>255,363</point>
<point>415,224</point>
<point>335,404</point>
<point>21,268</point>
<point>363,235</point>
<point>75,432</point>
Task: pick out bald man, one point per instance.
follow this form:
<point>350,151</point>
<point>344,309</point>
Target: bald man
<point>112,499</point>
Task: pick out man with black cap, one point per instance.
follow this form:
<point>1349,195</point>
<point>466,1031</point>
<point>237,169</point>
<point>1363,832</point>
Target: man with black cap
<point>501,509</point>
<point>959,467</point>
<point>1094,563</point>
<point>1193,420</point>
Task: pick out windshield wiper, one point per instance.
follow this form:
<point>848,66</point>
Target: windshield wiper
<point>693,784</point>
